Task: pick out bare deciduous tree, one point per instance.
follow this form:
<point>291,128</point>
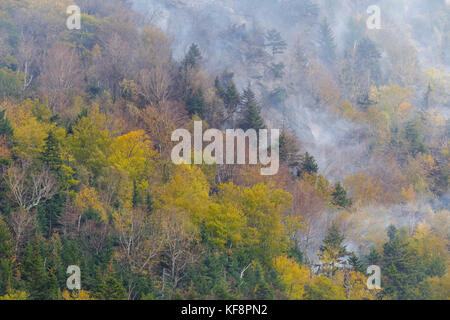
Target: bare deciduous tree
<point>61,72</point>
<point>139,242</point>
<point>29,186</point>
<point>154,84</point>
<point>21,222</point>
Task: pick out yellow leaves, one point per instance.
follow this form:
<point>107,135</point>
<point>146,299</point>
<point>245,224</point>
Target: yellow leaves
<point>440,287</point>
<point>187,190</point>
<point>294,224</point>
<point>132,152</point>
<point>364,189</point>
<point>226,223</point>
<point>29,131</point>
<point>15,295</point>
<point>355,285</point>
<point>320,184</point>
<point>88,198</point>
<point>293,277</point>
<point>437,77</point>
<point>347,110</point>
<point>90,143</point>
<point>428,244</point>
<point>404,109</point>
<point>422,231</point>
<point>263,210</point>
<point>322,288</point>
<point>76,295</point>
<point>409,194</point>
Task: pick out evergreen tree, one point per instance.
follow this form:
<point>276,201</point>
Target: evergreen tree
<point>195,103</point>
<point>333,252</point>
<point>40,284</point>
<point>415,139</point>
<point>192,58</point>
<point>232,99</point>
<point>400,275</point>
<point>275,42</point>
<point>251,114</point>
<point>51,154</point>
<point>220,91</point>
<point>355,263</point>
<point>373,258</point>
<point>111,289</point>
<point>340,196</point>
<point>308,164</point>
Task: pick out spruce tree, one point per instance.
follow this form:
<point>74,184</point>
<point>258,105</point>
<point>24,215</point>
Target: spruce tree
<point>111,289</point>
<point>193,57</point>
<point>40,284</point>
<point>355,263</point>
<point>220,91</point>
<point>275,42</point>
<point>251,114</point>
<point>400,275</point>
<point>195,103</point>
<point>51,155</point>
<point>308,164</point>
<point>340,196</point>
<point>232,99</point>
<point>333,252</point>
<point>373,257</point>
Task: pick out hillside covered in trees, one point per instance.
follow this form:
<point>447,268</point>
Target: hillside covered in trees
<point>86,176</point>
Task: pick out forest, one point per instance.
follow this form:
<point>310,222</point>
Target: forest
<point>87,180</point>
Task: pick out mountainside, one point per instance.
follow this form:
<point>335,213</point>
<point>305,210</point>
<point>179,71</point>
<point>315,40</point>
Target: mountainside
<point>89,121</point>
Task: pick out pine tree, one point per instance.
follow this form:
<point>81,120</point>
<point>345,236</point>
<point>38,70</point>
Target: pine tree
<point>251,114</point>
<point>111,289</point>
<point>400,275</point>
<point>40,284</point>
<point>355,263</point>
<point>333,252</point>
<point>308,164</point>
<point>232,99</point>
<point>373,258</point>
<point>340,196</point>
<point>275,42</point>
<point>334,241</point>
<point>195,103</point>
<point>193,57</point>
<point>51,155</point>
<point>220,91</point>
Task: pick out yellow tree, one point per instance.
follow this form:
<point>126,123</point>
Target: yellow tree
<point>293,277</point>
<point>90,143</point>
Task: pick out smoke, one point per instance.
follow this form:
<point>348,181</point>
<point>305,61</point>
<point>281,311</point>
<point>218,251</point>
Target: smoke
<point>228,31</point>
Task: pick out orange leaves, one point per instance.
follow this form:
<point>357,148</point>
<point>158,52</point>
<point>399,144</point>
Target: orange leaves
<point>409,194</point>
<point>364,189</point>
